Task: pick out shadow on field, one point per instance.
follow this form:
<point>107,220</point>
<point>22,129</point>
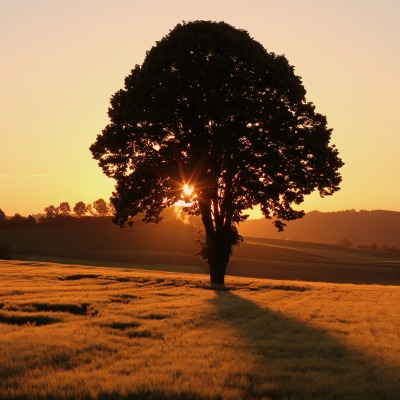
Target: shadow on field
<point>153,395</point>
<point>137,395</point>
<point>296,361</point>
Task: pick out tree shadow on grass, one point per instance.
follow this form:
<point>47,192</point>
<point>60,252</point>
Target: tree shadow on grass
<point>296,361</point>
<point>144,394</point>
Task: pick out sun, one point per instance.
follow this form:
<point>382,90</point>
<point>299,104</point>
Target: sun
<point>187,190</point>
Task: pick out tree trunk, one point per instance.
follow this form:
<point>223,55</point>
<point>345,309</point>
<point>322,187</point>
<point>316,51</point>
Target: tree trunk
<point>217,247</point>
<point>218,254</point>
<point>217,273</point>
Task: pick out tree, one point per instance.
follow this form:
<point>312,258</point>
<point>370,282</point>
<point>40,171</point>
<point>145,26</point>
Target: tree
<point>111,209</point>
<point>64,209</point>
<point>30,220</point>
<point>4,251</point>
<point>211,109</point>
<point>80,209</point>
<point>51,212</point>
<point>17,220</point>
<point>89,210</point>
<point>2,217</point>
<point>101,207</point>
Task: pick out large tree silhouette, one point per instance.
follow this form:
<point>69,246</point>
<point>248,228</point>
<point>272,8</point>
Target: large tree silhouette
<point>212,109</point>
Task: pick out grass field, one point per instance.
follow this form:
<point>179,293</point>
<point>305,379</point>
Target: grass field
<point>75,332</point>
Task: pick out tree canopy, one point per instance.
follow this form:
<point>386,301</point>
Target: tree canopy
<point>80,209</point>
<point>101,207</point>
<point>212,109</point>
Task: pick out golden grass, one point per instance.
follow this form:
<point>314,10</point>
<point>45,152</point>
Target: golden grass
<point>73,332</point>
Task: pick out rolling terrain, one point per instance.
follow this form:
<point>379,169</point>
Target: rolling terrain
<point>282,259</point>
<point>374,228</point>
<point>171,247</point>
<point>139,319</point>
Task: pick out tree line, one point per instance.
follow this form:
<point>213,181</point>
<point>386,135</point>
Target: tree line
<point>63,213</point>
<point>98,208</point>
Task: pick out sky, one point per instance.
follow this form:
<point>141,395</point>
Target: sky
<point>62,60</point>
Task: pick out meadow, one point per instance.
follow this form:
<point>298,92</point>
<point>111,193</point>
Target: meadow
<point>79,332</point>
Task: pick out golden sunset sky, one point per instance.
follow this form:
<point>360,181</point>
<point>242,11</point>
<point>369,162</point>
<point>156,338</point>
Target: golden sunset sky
<point>61,60</point>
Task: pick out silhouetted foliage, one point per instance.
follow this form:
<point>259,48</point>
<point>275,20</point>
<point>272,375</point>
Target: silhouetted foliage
<point>210,107</point>
<point>61,215</point>
<point>4,251</point>
<point>80,209</point>
<point>69,220</point>
<point>18,220</point>
<point>64,208</point>
<point>51,212</point>
<point>101,207</point>
<point>30,220</point>
<point>2,216</point>
<point>90,210</point>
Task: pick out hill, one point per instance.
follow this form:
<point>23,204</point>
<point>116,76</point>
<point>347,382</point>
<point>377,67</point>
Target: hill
<point>375,229</point>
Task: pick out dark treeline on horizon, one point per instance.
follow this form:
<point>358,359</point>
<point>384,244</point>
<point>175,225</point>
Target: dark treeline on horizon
<point>370,230</point>
<point>62,214</point>
<point>98,213</point>
<point>375,229</point>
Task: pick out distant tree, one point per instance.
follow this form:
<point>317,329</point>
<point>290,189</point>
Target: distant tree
<point>80,209</point>
<point>64,208</point>
<point>101,207</point>
<point>17,217</point>
<point>2,216</point>
<point>17,220</point>
<point>212,109</point>
<point>111,209</point>
<point>51,211</point>
<point>90,210</point>
<point>30,220</point>
<point>4,251</point>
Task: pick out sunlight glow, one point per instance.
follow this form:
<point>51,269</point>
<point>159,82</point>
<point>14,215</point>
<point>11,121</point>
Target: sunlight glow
<point>187,190</point>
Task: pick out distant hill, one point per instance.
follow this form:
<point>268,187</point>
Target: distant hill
<point>171,246</point>
<point>350,228</point>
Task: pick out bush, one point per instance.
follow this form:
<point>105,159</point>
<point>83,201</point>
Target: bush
<point>4,251</point>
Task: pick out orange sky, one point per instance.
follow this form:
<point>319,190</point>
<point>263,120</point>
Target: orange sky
<point>62,60</point>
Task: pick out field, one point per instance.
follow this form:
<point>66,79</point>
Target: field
<point>281,259</point>
<point>79,332</point>
<point>170,247</point>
